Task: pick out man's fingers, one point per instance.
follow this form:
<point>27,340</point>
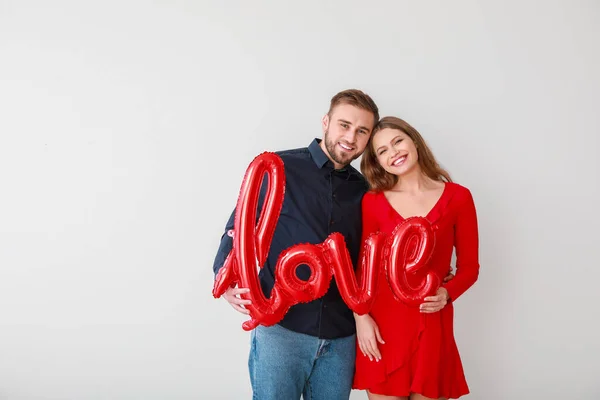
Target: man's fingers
<point>237,300</point>
<point>433,298</point>
<point>240,309</point>
<point>236,291</point>
<point>233,298</point>
<point>238,303</point>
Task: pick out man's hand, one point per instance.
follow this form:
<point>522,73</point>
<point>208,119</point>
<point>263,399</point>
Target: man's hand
<point>232,295</point>
<point>450,275</point>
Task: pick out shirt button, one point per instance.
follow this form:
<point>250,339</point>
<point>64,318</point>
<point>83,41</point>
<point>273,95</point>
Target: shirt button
<point>331,222</point>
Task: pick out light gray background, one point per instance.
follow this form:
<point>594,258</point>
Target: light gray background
<point>126,127</point>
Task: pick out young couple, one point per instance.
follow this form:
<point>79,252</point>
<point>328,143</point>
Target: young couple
<point>320,350</point>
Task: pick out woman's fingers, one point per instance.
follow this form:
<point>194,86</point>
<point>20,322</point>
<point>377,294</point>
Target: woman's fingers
<point>379,338</point>
<point>433,304</point>
<point>372,350</point>
<point>432,307</point>
<point>362,348</point>
<point>375,349</point>
<point>436,298</point>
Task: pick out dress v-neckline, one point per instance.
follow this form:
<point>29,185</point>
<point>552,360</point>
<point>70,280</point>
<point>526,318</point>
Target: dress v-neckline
<point>428,215</point>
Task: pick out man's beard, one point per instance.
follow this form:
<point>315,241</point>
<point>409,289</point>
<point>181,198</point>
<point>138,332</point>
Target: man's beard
<point>338,158</point>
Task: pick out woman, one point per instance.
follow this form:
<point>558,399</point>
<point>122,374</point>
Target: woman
<point>408,352</point>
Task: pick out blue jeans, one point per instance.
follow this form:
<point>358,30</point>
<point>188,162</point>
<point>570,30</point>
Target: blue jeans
<point>284,365</point>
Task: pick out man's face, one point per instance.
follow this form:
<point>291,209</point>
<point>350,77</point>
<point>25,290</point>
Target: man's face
<point>346,133</point>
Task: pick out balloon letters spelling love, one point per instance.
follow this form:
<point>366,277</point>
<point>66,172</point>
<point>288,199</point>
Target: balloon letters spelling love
<point>251,242</point>
<point>410,247</point>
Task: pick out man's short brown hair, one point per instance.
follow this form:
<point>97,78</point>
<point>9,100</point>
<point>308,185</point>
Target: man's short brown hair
<point>355,98</point>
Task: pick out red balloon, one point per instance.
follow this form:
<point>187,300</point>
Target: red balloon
<point>251,247</point>
<point>358,294</point>
<point>289,289</point>
<point>411,246</point>
<point>297,290</point>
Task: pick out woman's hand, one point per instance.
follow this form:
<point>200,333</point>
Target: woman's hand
<point>367,334</point>
<point>435,303</point>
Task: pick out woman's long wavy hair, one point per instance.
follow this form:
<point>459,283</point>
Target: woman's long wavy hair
<point>378,178</point>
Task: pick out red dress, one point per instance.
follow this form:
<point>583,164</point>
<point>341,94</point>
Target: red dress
<point>419,354</point>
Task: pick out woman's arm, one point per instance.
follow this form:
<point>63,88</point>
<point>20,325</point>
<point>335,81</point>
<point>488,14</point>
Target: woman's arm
<point>466,242</point>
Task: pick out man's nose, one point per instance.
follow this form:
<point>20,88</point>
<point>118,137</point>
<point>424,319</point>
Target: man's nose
<point>350,136</point>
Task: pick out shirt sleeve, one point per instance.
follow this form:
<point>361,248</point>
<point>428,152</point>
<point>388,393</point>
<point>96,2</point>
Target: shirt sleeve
<point>466,242</point>
<point>227,241</point>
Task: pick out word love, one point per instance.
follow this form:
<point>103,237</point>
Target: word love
<point>404,252</point>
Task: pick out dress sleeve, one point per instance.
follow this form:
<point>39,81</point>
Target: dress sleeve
<point>466,242</point>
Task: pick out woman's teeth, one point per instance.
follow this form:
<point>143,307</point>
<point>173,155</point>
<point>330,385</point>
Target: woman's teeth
<point>399,161</point>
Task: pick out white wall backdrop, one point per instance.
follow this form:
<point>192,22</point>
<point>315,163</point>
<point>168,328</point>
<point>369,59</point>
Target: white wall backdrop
<point>126,127</point>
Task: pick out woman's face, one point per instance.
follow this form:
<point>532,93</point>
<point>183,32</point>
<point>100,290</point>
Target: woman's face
<point>395,151</point>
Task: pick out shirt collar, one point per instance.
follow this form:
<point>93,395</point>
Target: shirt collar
<point>321,159</point>
<point>317,154</point>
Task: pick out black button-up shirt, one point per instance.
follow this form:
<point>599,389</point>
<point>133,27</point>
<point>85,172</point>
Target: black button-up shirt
<point>319,200</point>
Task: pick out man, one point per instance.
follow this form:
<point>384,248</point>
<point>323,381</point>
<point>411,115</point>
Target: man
<point>311,351</point>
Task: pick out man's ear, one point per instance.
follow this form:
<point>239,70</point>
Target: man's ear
<point>325,122</point>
